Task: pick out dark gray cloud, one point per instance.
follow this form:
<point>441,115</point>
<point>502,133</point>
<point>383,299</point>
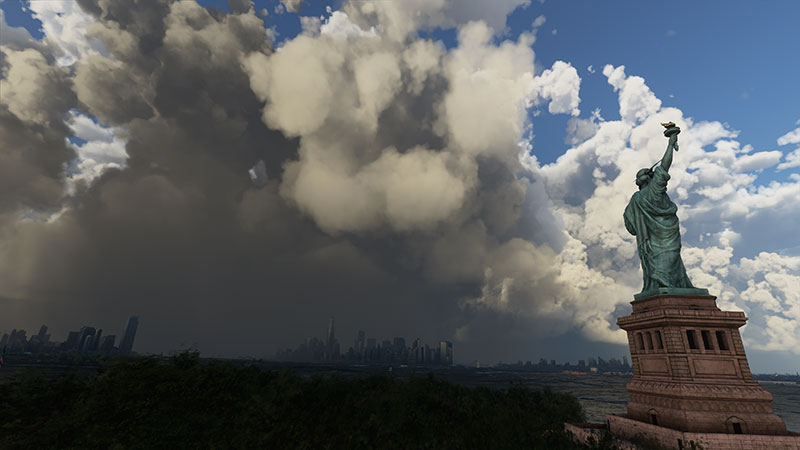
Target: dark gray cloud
<point>371,203</point>
<point>35,97</point>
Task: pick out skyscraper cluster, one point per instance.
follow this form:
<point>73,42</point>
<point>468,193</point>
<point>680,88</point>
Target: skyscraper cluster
<point>369,351</point>
<point>86,340</point>
<point>595,364</point>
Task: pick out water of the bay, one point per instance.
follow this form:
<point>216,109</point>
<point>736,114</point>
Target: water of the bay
<point>601,394</point>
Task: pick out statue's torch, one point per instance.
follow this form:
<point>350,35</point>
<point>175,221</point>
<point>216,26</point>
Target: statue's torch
<point>672,130</point>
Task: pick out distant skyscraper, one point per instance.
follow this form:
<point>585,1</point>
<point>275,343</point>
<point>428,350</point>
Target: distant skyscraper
<point>17,340</point>
<point>85,334</point>
<point>331,329</point>
<point>446,352</point>
<point>11,337</point>
<point>416,354</point>
<point>72,340</point>
<point>107,345</point>
<point>332,352</point>
<point>400,350</point>
<point>42,337</point>
<point>95,341</point>
<point>126,345</point>
<point>361,342</point>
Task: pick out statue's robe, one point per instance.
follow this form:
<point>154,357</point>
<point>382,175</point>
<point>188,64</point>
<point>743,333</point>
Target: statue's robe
<point>651,217</point>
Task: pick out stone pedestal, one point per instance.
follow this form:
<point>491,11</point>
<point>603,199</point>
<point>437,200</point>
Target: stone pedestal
<point>690,368</point>
<point>636,435</point>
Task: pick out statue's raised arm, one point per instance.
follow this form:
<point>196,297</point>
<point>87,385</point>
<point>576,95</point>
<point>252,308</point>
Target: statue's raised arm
<point>652,217</point>
<point>672,133</point>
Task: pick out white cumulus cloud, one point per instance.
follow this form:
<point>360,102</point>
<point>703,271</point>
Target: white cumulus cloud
<point>723,209</point>
<point>65,25</point>
<point>636,100</point>
<point>792,137</point>
<point>103,149</point>
<point>561,85</point>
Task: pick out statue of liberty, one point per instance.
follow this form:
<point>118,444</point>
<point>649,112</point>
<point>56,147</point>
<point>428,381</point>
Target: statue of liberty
<point>651,217</point>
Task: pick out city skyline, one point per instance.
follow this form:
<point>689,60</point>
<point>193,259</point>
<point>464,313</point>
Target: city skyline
<point>364,349</point>
<point>368,350</point>
<point>87,340</point>
<point>236,171</point>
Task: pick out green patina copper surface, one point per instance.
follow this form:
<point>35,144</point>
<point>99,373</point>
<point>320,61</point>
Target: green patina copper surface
<point>689,292</point>
<point>651,217</point>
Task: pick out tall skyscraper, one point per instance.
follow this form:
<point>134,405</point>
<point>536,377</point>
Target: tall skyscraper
<point>95,341</point>
<point>11,337</point>
<point>72,340</point>
<point>85,334</point>
<point>416,354</point>
<point>126,346</point>
<point>107,346</point>
<point>17,341</point>
<point>42,337</point>
<point>331,329</point>
<point>361,341</point>
<point>446,352</point>
<point>332,352</point>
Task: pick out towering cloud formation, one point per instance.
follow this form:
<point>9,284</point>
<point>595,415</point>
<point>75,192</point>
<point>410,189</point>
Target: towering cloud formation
<point>716,191</point>
<point>360,169</point>
<point>36,98</point>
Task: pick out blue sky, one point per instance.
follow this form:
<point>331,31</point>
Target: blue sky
<point>726,61</point>
<point>729,66</point>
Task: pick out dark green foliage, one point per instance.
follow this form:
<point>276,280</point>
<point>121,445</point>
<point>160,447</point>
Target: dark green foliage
<point>145,403</point>
<point>605,442</point>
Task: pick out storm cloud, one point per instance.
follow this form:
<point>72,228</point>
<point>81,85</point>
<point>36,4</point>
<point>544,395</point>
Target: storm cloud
<point>359,170</point>
<point>387,190</point>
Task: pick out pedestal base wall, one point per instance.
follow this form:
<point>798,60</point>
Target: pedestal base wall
<point>700,421</point>
<point>634,430</point>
